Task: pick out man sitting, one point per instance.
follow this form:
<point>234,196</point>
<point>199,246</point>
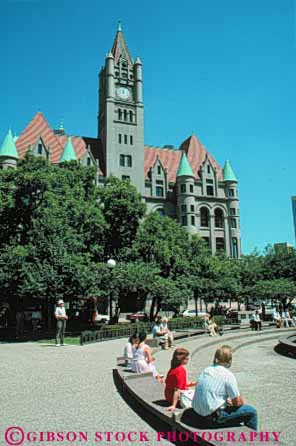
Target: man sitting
<point>256,323</point>
<point>277,318</point>
<point>165,329</point>
<point>160,334</point>
<point>217,400</point>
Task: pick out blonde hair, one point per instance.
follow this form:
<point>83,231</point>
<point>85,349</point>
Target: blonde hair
<point>223,356</point>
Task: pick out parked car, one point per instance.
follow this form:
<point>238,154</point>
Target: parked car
<point>102,318</point>
<point>192,313</point>
<point>138,316</point>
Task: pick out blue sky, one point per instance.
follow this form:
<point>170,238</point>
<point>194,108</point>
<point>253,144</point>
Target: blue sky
<point>225,70</point>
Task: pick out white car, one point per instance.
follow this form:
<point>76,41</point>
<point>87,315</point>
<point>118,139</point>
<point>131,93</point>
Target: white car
<point>192,313</point>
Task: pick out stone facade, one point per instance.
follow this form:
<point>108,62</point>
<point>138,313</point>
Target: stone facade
<point>185,183</point>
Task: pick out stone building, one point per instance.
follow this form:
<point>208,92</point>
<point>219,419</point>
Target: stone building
<point>185,183</point>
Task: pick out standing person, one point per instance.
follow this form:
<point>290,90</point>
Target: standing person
<point>176,383</point>
<point>61,317</point>
<point>217,400</point>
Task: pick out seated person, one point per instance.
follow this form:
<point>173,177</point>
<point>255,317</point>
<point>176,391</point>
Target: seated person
<point>217,400</point>
<point>159,333</point>
<point>176,380</point>
<point>128,349</point>
<point>277,317</point>
<point>143,361</point>
<point>165,329</point>
<point>209,326</point>
<point>287,320</point>
<point>256,323</point>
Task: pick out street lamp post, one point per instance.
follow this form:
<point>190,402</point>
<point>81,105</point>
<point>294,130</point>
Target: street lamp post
<point>111,264</point>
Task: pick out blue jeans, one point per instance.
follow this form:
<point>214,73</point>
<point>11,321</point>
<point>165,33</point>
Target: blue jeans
<point>233,416</point>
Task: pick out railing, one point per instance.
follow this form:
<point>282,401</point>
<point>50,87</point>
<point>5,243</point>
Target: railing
<point>126,330</point>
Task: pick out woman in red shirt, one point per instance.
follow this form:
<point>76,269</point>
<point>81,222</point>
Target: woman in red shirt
<point>176,379</point>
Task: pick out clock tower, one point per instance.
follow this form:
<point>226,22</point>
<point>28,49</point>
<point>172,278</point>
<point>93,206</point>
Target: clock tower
<point>121,114</point>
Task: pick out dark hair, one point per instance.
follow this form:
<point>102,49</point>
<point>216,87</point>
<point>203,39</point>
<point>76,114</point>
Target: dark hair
<point>132,337</point>
<point>142,336</point>
<point>178,356</point>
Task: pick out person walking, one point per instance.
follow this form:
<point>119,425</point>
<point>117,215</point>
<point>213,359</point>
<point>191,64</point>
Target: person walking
<point>61,317</point>
<point>217,400</point>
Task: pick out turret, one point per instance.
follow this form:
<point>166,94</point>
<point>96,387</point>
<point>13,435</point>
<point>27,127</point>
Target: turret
<point>8,152</point>
<point>138,80</point>
<point>68,152</point>
<point>110,88</point>
<point>186,206</point>
<point>231,192</point>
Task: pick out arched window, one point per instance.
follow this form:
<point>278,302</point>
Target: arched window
<point>119,114</point>
<point>204,217</point>
<point>131,116</point>
<point>219,218</point>
<point>125,115</point>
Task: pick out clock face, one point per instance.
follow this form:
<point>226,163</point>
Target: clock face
<point>123,93</point>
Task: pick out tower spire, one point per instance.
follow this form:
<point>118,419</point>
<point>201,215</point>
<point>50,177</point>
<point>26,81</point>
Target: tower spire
<point>120,48</point>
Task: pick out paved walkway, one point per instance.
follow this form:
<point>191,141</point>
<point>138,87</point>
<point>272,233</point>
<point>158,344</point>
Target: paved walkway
<point>44,388</point>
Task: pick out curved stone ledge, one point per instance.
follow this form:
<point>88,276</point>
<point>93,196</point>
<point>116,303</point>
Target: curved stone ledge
<point>148,393</point>
<point>287,346</point>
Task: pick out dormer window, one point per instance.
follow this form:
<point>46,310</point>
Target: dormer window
<point>209,168</point>
<point>158,170</point>
<point>40,149</point>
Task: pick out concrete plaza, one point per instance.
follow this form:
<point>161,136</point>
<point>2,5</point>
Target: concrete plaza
<point>71,388</point>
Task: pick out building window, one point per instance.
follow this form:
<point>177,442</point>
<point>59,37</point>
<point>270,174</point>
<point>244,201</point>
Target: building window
<point>209,169</point>
<point>209,181</point>
<point>119,138</point>
<point>191,188</point>
<point>131,140</point>
<point>234,248</point>
<point>231,192</point>
<point>39,149</point>
<point>183,208</point>
<point>219,218</point>
<point>192,220</point>
<point>183,188</point>
<point>131,116</point>
<point>125,115</point>
<point>184,220</point>
<point>125,160</point>
<point>119,114</point>
<point>232,211</point>
<point>159,181</point>
<point>220,244</point>
<point>125,177</point>
<point>125,139</point>
<point>88,161</point>
<point>122,160</point>
<point>159,191</point>
<point>129,161</point>
<point>158,170</point>
<point>204,217</point>
<point>233,223</point>
<point>210,190</point>
<point>192,208</point>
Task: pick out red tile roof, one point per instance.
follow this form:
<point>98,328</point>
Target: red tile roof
<point>170,159</point>
<point>39,127</point>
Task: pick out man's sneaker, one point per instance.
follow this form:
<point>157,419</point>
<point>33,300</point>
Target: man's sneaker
<point>58,345</point>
